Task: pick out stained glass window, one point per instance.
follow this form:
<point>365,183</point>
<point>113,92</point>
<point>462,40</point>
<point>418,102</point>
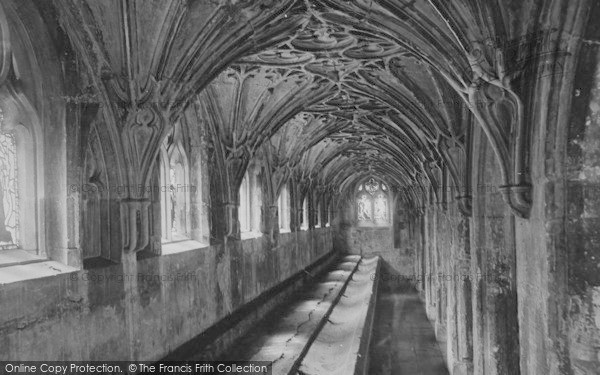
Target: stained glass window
<point>9,198</point>
<point>178,191</point>
<point>175,190</point>
<point>372,206</point>
<point>364,208</point>
<point>381,209</point>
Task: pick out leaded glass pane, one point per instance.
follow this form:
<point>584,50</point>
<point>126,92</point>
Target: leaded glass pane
<point>372,204</point>
<point>372,186</point>
<point>9,193</point>
<point>364,208</point>
<point>381,209</point>
<point>178,197</point>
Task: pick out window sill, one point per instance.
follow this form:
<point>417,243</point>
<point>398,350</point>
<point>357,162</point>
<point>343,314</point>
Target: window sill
<point>249,235</point>
<point>374,226</point>
<point>181,246</point>
<point>30,271</point>
<point>281,230</point>
<point>15,257</point>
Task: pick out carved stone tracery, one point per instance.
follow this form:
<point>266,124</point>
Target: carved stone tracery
<point>405,79</point>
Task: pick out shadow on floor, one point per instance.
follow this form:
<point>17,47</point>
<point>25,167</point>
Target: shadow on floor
<point>403,341</point>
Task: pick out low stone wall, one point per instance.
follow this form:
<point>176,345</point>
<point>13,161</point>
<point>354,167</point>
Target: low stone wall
<point>144,309</point>
<point>374,241</point>
<point>370,241</point>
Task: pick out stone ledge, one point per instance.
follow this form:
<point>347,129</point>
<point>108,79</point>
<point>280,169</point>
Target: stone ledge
<point>181,246</point>
<point>250,235</point>
<point>220,337</point>
<point>13,257</point>
<point>30,271</point>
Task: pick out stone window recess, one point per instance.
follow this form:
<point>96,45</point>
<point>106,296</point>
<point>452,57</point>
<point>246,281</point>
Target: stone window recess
<point>372,204</point>
<point>250,204</point>
<point>318,216</point>
<point>304,225</point>
<point>283,206</point>
<point>19,183</point>
<point>175,192</point>
<point>245,211</point>
<point>9,193</point>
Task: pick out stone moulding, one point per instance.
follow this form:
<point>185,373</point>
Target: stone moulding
<point>135,224</point>
<point>518,198</point>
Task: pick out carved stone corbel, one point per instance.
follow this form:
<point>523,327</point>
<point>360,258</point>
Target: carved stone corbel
<point>500,112</point>
<point>141,131</point>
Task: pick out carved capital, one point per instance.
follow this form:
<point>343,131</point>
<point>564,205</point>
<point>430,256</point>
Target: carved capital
<point>142,129</point>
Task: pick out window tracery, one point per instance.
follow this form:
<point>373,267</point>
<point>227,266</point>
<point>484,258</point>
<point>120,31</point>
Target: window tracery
<point>372,203</point>
<point>175,191</point>
<point>19,183</point>
<point>9,192</point>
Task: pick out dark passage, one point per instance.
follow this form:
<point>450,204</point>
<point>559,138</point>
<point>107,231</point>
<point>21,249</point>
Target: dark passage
<point>403,340</point>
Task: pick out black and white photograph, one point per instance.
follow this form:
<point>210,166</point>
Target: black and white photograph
<point>300,187</point>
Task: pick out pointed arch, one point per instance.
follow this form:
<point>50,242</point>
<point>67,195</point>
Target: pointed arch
<point>175,189</point>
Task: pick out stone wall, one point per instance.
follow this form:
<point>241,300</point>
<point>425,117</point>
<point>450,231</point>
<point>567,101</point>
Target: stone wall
<point>369,241</point>
<point>509,295</point>
<point>393,244</point>
<point>126,312</point>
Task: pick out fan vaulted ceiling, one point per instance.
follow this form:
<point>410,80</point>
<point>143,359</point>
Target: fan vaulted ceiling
<point>328,91</point>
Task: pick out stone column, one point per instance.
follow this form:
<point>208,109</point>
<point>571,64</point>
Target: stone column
<point>431,271</point>
<point>270,220</point>
<point>493,262</point>
<point>463,352</point>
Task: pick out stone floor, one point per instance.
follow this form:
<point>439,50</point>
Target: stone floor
<point>403,341</point>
